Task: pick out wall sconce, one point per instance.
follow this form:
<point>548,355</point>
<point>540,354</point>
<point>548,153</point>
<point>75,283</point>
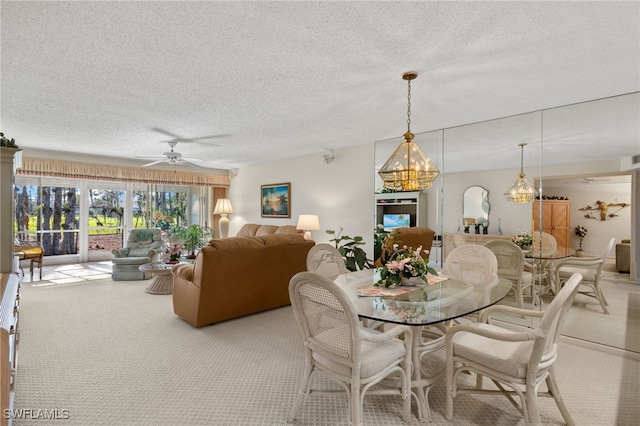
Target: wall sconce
<point>408,168</point>
<point>223,208</point>
<point>522,190</point>
<point>308,222</point>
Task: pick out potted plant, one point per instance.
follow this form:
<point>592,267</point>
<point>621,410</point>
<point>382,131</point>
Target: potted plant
<point>581,232</point>
<point>355,258</point>
<point>192,237</point>
<point>6,142</point>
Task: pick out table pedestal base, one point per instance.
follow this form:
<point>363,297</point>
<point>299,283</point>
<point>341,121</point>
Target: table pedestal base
<point>162,283</point>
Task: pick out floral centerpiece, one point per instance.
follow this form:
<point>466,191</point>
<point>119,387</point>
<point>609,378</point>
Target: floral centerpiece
<point>581,232</point>
<point>174,253</point>
<point>404,264</point>
<point>523,239</point>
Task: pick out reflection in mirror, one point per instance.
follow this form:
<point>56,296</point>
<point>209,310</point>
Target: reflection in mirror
<point>475,208</point>
<point>478,154</point>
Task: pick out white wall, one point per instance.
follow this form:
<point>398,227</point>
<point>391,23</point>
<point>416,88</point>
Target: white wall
<point>340,193</point>
<point>599,232</point>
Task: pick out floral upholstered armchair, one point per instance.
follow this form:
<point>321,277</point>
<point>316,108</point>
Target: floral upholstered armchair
<point>142,247</point>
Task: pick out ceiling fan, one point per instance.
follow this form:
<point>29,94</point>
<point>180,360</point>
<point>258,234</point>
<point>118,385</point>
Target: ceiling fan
<point>176,138</point>
<point>173,157</point>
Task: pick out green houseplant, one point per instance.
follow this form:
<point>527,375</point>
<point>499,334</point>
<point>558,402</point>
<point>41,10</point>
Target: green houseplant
<point>355,258</point>
<point>192,237</point>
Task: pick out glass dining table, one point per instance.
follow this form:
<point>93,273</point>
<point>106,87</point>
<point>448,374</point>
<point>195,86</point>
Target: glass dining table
<point>544,281</point>
<point>428,309</point>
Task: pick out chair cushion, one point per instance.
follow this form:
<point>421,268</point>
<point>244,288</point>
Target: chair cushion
<point>507,357</point>
<point>131,260</point>
<point>139,252</point>
<point>375,358</point>
<point>587,273</point>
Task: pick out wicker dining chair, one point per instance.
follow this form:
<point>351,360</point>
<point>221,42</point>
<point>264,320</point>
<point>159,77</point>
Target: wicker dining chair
<point>326,260</point>
<point>511,266</point>
<point>473,264</point>
<point>517,362</point>
<point>591,268</point>
<point>339,347</point>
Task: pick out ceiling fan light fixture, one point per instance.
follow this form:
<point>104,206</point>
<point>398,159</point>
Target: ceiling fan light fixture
<point>408,168</point>
<point>522,190</point>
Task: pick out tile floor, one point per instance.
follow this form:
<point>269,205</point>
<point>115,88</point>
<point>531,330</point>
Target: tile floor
<point>67,273</point>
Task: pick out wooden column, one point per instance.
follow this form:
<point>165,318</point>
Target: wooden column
<point>6,208</point>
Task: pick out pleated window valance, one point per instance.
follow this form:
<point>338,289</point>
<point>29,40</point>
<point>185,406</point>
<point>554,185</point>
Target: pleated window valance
<point>78,170</point>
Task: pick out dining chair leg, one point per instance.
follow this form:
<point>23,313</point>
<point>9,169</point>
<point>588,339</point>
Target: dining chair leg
<point>304,391</point>
<point>601,299</point>
<point>356,404</point>
<point>555,392</point>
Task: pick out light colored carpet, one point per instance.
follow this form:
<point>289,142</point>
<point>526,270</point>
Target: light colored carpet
<point>111,354</point>
<point>586,320</point>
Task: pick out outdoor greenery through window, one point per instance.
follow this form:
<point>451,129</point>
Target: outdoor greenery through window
<point>66,222</point>
<point>49,214</point>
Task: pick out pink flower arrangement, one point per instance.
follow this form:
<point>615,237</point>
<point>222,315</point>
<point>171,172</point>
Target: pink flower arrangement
<point>174,253</point>
<point>405,262</point>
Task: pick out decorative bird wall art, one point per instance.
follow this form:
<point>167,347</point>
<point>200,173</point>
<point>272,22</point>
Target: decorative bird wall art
<point>604,209</point>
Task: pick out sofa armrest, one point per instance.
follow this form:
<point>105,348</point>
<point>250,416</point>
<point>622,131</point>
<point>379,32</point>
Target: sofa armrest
<point>121,252</point>
<point>183,271</point>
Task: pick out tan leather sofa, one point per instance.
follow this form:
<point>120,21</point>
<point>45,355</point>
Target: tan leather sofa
<point>257,230</point>
<point>238,276</point>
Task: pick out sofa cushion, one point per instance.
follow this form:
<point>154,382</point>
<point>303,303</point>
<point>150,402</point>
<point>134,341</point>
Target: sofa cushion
<point>236,243</point>
<point>248,230</point>
<point>279,239</point>
<point>266,230</point>
<point>288,229</point>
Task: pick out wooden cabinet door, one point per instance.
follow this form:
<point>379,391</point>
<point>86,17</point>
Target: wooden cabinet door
<point>560,223</point>
<point>556,220</point>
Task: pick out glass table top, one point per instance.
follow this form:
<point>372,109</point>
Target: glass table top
<point>421,305</point>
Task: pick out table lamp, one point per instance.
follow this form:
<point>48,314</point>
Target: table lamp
<point>223,208</point>
<point>308,223</point>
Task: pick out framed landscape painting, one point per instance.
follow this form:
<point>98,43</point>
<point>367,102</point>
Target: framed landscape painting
<point>275,200</point>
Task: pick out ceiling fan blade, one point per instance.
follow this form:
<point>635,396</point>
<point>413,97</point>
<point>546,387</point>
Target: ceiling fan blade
<point>165,132</point>
<point>219,135</point>
<point>153,163</point>
<point>148,158</point>
<point>196,160</point>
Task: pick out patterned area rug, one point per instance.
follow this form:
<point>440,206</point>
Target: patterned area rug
<point>107,353</point>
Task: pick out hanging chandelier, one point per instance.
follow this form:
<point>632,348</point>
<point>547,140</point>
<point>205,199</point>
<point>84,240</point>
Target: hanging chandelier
<point>522,190</point>
<point>408,168</point>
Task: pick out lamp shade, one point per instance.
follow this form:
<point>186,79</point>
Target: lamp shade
<point>223,206</point>
<point>308,222</point>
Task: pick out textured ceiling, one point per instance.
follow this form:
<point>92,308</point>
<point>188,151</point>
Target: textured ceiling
<point>282,79</point>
